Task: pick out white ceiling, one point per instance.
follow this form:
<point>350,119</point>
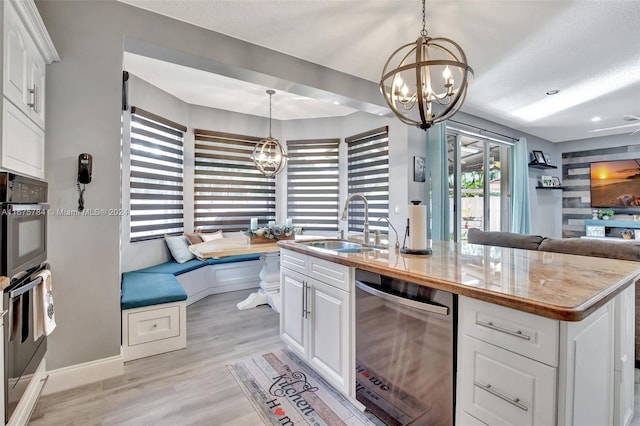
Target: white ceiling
<point>519,50</point>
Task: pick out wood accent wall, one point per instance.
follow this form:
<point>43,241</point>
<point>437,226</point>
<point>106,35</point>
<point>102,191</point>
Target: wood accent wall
<point>576,196</point>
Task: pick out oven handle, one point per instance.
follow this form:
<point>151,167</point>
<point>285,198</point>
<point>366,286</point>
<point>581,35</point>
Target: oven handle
<point>40,207</point>
<point>25,288</point>
<point>423,306</point>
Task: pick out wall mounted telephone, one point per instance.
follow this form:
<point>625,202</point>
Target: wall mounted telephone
<point>85,166</point>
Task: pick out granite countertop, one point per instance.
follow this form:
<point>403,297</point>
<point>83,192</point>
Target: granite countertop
<point>559,286</point>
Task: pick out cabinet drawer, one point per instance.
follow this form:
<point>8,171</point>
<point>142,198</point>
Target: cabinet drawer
<point>467,419</point>
<point>294,261</point>
<point>153,324</point>
<point>330,273</point>
<point>503,388</point>
<point>523,333</point>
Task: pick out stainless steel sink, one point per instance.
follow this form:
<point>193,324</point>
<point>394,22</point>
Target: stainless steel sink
<point>340,246</point>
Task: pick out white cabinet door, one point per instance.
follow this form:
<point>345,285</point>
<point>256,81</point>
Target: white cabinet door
<point>22,143</point>
<point>16,58</point>
<point>329,334</point>
<point>292,315</point>
<point>624,357</point>
<point>503,388</point>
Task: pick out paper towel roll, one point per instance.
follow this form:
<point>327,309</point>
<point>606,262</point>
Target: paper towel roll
<point>417,227</point>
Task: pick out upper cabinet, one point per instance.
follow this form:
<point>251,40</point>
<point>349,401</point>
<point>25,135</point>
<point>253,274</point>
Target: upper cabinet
<point>27,49</point>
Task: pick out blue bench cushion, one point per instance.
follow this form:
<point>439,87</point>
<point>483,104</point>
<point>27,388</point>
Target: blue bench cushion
<point>144,289</point>
<point>174,268</point>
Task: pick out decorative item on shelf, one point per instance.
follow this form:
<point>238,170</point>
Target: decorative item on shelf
<point>594,214</point>
<point>425,82</point>
<point>270,235</point>
<point>546,181</point>
<point>555,182</point>
<point>605,214</point>
<point>627,234</point>
<point>269,155</point>
<point>539,158</point>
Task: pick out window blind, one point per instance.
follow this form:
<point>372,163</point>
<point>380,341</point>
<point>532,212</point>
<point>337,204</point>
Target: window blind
<point>155,185</point>
<point>228,189</point>
<point>313,184</point>
<point>368,174</point>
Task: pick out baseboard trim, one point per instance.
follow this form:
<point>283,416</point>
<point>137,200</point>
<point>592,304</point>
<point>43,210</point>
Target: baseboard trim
<point>66,378</point>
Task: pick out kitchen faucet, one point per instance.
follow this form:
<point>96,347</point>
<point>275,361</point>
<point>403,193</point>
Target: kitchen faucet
<point>365,232</point>
<point>386,219</point>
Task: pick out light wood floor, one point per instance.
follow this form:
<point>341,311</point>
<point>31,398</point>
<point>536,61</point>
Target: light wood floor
<point>187,387</point>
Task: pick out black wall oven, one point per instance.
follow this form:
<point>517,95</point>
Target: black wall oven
<point>23,252</point>
<point>23,228</point>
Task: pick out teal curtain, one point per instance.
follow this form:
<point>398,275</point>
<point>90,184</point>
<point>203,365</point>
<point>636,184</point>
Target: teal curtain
<point>437,168</point>
<point>520,202</point>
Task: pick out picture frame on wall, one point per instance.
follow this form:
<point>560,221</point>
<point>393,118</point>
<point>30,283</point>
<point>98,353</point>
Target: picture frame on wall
<point>555,182</point>
<point>546,181</point>
<point>539,158</point>
<point>418,169</point>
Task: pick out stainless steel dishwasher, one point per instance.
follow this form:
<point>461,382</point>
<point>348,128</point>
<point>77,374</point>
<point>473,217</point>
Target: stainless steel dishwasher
<point>405,337</point>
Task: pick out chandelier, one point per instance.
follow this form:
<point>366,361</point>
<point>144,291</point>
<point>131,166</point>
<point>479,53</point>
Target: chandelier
<point>425,82</point>
<point>268,154</point>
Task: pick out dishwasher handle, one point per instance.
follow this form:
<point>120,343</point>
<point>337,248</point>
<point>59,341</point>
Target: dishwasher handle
<point>422,306</point>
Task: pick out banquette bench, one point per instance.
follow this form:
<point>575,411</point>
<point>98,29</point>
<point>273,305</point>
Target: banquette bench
<point>154,299</point>
<point>622,250</point>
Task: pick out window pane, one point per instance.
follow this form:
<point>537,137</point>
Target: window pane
<point>155,183</point>
<point>368,165</point>
<point>228,189</point>
<point>312,184</point>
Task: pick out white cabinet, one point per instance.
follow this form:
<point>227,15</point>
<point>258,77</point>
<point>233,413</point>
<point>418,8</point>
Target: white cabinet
<point>315,321</point>
<point>27,49</point>
<point>516,368</point>
<point>624,357</point>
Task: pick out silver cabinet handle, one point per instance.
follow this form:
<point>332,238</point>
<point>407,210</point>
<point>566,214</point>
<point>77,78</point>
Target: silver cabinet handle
<point>422,306</point>
<point>492,326</point>
<point>33,93</point>
<point>307,297</point>
<point>304,299</point>
<point>512,401</point>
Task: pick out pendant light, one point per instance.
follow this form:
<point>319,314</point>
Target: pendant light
<point>425,82</point>
<point>269,155</point>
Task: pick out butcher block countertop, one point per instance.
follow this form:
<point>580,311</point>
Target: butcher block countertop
<point>4,282</point>
<point>558,286</point>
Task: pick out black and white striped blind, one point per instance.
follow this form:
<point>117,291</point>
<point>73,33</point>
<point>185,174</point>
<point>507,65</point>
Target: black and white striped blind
<point>156,162</point>
<point>313,184</point>
<point>228,189</point>
<point>368,164</point>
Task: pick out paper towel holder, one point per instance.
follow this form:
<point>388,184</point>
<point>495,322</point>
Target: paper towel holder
<point>405,249</point>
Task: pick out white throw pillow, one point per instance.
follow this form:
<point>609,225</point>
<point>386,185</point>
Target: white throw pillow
<point>210,236</point>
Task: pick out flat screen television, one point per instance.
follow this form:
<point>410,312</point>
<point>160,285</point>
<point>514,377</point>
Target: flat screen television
<point>615,183</point>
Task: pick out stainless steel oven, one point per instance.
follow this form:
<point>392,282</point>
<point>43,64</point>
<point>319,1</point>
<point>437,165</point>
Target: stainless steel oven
<point>23,349</point>
<point>23,251</point>
<point>405,337</point>
<point>23,225</point>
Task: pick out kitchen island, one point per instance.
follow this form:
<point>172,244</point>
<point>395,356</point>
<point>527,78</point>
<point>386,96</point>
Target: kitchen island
<point>558,327</point>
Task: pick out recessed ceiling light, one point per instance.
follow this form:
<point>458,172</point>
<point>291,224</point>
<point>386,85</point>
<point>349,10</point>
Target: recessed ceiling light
<point>336,103</point>
<point>553,92</point>
<point>596,119</point>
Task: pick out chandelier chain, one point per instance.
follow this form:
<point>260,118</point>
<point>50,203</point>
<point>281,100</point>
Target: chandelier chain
<point>424,32</point>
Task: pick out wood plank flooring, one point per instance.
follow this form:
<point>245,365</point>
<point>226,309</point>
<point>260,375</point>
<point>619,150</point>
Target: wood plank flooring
<point>187,387</point>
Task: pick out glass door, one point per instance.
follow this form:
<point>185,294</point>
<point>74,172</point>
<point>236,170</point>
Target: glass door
<point>478,184</point>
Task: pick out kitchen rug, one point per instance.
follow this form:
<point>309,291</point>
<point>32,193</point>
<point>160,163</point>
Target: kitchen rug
<point>284,390</point>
